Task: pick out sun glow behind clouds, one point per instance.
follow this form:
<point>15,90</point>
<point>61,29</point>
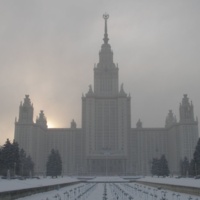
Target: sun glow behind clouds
<point>51,124</point>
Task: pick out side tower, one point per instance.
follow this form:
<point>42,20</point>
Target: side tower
<point>24,125</point>
<point>32,136</point>
<point>182,135</point>
<point>106,117</point>
<point>188,129</point>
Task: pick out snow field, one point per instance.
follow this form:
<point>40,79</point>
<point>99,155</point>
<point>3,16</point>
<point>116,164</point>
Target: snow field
<point>84,191</point>
<point>15,184</point>
<point>188,182</point>
<point>129,191</point>
<point>110,191</point>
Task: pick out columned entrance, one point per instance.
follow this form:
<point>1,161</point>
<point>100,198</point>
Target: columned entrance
<point>106,167</point>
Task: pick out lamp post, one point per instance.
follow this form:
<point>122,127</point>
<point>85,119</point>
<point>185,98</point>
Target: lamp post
<point>70,193</point>
<point>195,168</point>
<point>178,195</point>
<point>155,190</point>
<point>106,152</point>
<point>173,194</point>
<point>65,195</point>
<point>163,195</point>
<point>14,168</point>
<point>22,169</point>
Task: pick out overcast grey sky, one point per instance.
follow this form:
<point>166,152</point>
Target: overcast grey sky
<point>48,49</point>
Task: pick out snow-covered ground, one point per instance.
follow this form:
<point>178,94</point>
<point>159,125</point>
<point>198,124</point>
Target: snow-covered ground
<point>113,191</point>
<point>190,182</point>
<point>15,184</point>
<point>99,190</point>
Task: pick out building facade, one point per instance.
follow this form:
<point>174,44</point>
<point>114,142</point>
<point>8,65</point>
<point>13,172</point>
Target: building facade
<point>106,144</point>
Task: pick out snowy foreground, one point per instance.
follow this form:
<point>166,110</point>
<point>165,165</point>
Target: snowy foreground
<point>15,184</point>
<point>111,189</point>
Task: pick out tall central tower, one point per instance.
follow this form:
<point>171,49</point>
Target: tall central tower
<point>106,116</point>
<point>106,72</point>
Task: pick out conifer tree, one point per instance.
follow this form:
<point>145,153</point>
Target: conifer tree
<point>26,164</point>
<point>160,166</point>
<point>155,166</point>
<point>197,158</point>
<point>164,170</point>
<point>54,164</point>
<point>1,161</point>
<point>185,166</point>
<point>6,152</point>
<point>10,157</point>
<point>16,158</point>
<point>192,171</point>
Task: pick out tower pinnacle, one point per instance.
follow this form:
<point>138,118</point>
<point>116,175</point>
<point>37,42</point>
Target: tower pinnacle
<point>105,16</point>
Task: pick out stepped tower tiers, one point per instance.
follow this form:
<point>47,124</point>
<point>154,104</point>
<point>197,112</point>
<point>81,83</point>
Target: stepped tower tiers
<point>170,119</point>
<point>106,116</point>
<point>23,126</point>
<point>41,120</point>
<point>106,72</point>
<point>188,128</point>
<point>32,136</point>
<point>186,111</point>
<point>26,111</point>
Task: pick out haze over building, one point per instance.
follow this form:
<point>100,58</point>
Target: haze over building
<point>106,143</point>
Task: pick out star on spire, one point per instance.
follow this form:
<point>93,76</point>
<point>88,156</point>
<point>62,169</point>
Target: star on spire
<point>105,39</point>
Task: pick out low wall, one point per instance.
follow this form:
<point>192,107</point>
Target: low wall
<point>175,188</point>
<point>14,194</point>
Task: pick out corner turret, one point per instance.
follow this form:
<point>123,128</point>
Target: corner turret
<point>139,124</point>
<point>41,120</point>
<point>73,124</point>
<point>122,92</point>
<point>90,92</point>
<point>170,119</point>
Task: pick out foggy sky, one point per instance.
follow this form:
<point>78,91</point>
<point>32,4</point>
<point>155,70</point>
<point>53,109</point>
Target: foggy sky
<point>48,49</point>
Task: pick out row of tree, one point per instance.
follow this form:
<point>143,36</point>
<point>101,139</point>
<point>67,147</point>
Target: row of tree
<point>191,168</point>
<point>14,161</point>
<point>196,159</point>
<point>187,168</point>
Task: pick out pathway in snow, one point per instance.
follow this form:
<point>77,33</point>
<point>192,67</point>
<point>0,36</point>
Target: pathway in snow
<point>110,191</point>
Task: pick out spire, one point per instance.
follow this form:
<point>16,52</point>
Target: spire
<point>105,39</point>
<point>105,54</point>
<point>105,72</point>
